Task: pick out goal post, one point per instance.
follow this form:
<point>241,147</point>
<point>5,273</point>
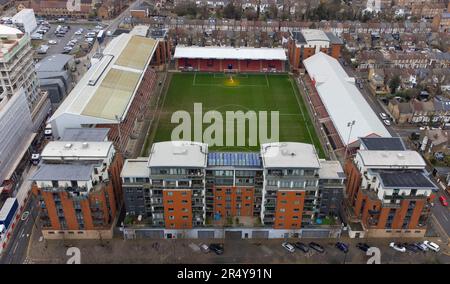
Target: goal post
<point>231,71</point>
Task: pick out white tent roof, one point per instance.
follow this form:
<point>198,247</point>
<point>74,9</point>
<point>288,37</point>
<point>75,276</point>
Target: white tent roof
<point>242,53</point>
<point>342,99</point>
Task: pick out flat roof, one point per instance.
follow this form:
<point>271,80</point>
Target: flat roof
<point>314,35</point>
<point>383,143</point>
<point>342,99</point>
<point>85,134</point>
<point>185,154</point>
<point>289,155</point>
<point>242,53</point>
<point>53,63</point>
<point>405,179</point>
<point>76,150</point>
<point>331,170</point>
<point>63,172</point>
<point>135,168</point>
<point>234,159</point>
<point>381,158</point>
<point>108,87</point>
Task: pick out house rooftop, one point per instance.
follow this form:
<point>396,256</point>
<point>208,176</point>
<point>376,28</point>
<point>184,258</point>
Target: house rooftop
<point>63,172</point>
<point>405,179</point>
<point>76,150</point>
<point>391,159</point>
<point>85,134</point>
<point>135,168</point>
<point>331,170</point>
<point>234,159</point>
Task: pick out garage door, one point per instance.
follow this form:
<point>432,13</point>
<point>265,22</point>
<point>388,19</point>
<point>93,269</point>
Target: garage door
<point>315,233</point>
<point>233,235</point>
<point>149,234</point>
<point>260,234</point>
<point>206,234</point>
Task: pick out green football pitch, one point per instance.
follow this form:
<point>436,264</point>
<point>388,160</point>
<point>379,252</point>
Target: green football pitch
<point>241,92</point>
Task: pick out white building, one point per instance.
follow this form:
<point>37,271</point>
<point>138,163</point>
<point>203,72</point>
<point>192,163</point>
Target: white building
<point>342,100</point>
<point>26,20</point>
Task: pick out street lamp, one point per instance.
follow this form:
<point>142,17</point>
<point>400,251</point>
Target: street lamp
<point>349,124</point>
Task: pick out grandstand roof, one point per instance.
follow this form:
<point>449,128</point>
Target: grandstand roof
<point>242,53</point>
<point>342,99</point>
<point>108,87</point>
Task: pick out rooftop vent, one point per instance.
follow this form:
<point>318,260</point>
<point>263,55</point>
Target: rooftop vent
<point>68,146</point>
<point>84,145</point>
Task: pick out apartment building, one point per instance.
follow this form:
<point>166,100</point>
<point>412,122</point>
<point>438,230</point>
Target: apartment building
<point>77,186</point>
<point>308,42</point>
<point>182,186</point>
<point>388,191</point>
<point>17,64</point>
<point>168,188</point>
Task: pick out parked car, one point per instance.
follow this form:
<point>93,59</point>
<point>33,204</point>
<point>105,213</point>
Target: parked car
<point>316,247</point>
<point>410,247</point>
<point>342,247</point>
<point>109,33</point>
<point>25,215</point>
<point>301,246</point>
<point>52,41</point>
<point>217,248</point>
<point>432,246</point>
<point>421,247</point>
<point>363,246</point>
<point>383,115</point>
<point>443,200</point>
<point>387,122</point>
<point>36,36</point>
<point>204,248</point>
<point>397,247</point>
<point>289,247</point>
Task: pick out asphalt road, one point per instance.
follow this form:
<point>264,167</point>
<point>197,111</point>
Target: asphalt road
<point>442,214</point>
<point>16,251</point>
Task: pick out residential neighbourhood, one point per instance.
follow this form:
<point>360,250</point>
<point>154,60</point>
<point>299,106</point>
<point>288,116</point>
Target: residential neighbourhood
<point>225,131</point>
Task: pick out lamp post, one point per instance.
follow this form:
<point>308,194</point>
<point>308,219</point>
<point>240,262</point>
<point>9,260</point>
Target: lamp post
<point>349,124</point>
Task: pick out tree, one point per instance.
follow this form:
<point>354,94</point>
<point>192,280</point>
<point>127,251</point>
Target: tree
<point>394,84</point>
<point>229,11</point>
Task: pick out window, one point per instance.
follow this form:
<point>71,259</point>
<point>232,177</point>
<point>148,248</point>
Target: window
<point>171,217</point>
<point>184,193</point>
<point>170,193</point>
<point>169,201</point>
<point>184,201</point>
<point>185,217</point>
<point>170,209</point>
<point>282,210</point>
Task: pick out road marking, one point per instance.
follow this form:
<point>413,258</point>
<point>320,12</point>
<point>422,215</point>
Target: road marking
<point>15,248</point>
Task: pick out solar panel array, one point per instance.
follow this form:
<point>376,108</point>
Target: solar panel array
<point>236,159</point>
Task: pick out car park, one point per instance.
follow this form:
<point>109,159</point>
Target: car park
<point>342,247</point>
<point>397,247</point>
<point>289,247</point>
<point>216,248</point>
<point>387,122</point>
<point>443,200</point>
<point>301,246</point>
<point>432,246</point>
<point>315,246</point>
<point>363,246</point>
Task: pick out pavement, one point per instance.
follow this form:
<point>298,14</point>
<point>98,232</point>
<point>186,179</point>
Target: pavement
<point>183,251</point>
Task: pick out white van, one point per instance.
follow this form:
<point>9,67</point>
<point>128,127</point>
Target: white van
<point>432,246</point>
